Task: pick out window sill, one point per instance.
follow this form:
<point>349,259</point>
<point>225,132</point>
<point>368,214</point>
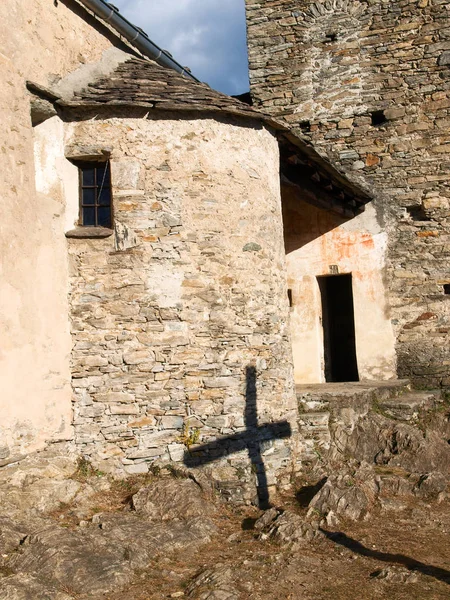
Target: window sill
<point>89,232</point>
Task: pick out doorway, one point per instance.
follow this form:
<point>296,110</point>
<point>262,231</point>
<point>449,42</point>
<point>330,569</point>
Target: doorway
<point>338,321</point>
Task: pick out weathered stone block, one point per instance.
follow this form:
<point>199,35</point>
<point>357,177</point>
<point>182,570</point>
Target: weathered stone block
<point>126,174</point>
<point>138,356</point>
<point>444,59</point>
<point>144,453</point>
<point>177,452</point>
<point>218,422</point>
<point>124,409</point>
<point>252,247</point>
<point>164,338</point>
<point>137,469</point>
<point>156,439</point>
<point>172,422</point>
<point>147,421</point>
<point>124,237</point>
<point>221,382</point>
<point>116,397</point>
<point>94,361</point>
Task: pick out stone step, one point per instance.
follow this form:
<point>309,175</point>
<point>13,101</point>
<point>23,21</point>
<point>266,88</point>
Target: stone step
<point>315,426</point>
<point>319,397</point>
<point>408,406</point>
<point>315,419</point>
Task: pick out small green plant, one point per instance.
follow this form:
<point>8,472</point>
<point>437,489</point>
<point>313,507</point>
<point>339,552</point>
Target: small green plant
<point>189,436</point>
<point>5,571</point>
<point>155,469</point>
<point>317,453</point>
<point>175,471</point>
<point>85,469</point>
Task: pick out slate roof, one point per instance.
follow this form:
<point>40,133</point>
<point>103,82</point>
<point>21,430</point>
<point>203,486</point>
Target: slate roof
<point>143,83</point>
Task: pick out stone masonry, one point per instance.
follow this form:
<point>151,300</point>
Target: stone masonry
<point>368,84</point>
<point>179,313</point>
<point>169,311</point>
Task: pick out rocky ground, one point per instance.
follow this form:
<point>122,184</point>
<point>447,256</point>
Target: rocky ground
<point>71,532</point>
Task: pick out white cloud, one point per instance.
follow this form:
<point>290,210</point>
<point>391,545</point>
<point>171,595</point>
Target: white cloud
<point>206,35</point>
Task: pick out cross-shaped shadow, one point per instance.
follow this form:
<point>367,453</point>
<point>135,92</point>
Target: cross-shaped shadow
<point>251,439</point>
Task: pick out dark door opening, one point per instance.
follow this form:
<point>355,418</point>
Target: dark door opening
<point>338,322</point>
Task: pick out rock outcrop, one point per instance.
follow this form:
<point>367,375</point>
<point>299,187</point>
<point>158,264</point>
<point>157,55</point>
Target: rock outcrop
<point>56,543</point>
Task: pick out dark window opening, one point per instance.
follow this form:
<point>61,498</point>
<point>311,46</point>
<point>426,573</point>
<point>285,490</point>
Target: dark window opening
<point>338,322</point>
<point>291,302</point>
<point>95,194</point>
<point>378,117</point>
<point>245,97</point>
<point>447,289</point>
<point>305,126</point>
<point>418,213</point>
<point>331,37</point>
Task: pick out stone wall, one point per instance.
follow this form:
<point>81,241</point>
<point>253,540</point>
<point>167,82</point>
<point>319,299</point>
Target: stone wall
<point>168,314</point>
<point>42,41</point>
<point>367,83</point>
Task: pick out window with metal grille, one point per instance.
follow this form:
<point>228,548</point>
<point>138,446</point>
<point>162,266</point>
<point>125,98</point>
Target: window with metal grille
<point>95,194</point>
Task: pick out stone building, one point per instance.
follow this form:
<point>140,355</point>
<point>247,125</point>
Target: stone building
<point>367,83</point>
<point>164,247</point>
<point>144,282</point>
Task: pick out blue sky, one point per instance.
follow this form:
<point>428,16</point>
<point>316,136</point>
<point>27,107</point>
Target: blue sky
<point>206,35</point>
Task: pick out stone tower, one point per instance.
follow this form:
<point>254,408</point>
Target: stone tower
<point>368,84</point>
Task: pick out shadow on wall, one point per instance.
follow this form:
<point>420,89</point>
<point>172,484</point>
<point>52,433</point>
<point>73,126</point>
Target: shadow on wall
<point>250,439</point>
<point>304,223</point>
<point>399,559</point>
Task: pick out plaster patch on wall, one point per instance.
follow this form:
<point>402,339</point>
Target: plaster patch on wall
<point>48,147</point>
<point>126,174</point>
<point>366,221</point>
<point>124,237</point>
<point>165,285</point>
<point>56,176</point>
<point>70,183</point>
<point>357,246</point>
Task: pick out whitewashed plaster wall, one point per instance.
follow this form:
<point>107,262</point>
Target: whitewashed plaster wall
<point>42,42</point>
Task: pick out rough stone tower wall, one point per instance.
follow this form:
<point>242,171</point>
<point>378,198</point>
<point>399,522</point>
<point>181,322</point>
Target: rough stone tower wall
<point>368,84</point>
<point>169,313</point>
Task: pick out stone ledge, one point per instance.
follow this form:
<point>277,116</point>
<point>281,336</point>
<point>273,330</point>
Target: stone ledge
<point>89,232</point>
<point>85,153</point>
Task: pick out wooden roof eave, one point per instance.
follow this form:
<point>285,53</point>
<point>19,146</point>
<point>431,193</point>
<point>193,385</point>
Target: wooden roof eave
<point>348,198</point>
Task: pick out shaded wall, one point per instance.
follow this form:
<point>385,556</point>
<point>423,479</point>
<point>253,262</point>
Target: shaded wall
<point>319,243</point>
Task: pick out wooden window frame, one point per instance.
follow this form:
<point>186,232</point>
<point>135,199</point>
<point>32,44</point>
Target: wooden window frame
<point>82,166</point>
